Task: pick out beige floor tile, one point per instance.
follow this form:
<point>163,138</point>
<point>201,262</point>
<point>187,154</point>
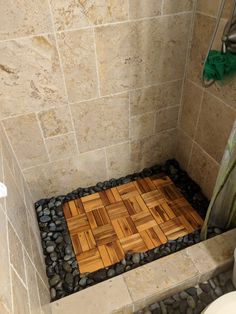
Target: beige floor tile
<point>106,297</point>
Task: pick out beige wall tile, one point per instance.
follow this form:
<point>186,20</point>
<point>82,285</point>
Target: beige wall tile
<point>129,54</point>
<point>63,176</point>
<point>155,97</point>
<point>20,296</point>
<point>192,98</point>
<point>109,297</point>
<point>77,52</point>
<point>61,147</point>
<point>166,119</point>
<point>55,121</point>
<point>214,126</point>
<point>26,139</point>
<point>16,253</point>
<point>3,309</point>
<point>142,125</point>
<point>183,149</point>
<point>119,162</point>
<point>101,122</point>
<point>147,8</point>
<point>209,7</point>
<point>170,6</point>
<point>19,19</point>
<point>202,33</point>
<point>44,297</point>
<point>71,14</point>
<point>203,170</point>
<point>153,150</point>
<point>27,85</point>
<point>32,286</point>
<point>5,285</point>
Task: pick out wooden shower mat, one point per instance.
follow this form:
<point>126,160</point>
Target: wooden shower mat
<point>134,217</point>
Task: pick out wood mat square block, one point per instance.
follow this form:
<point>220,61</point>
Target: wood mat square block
<point>134,217</point>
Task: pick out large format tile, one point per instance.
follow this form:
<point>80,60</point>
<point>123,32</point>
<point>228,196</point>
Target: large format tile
<point>20,296</point>
<point>32,286</point>
<point>129,54</point>
<point>63,176</point>
<point>101,122</point>
<point>214,126</point>
<point>55,121</point>
<point>166,119</point>
<point>26,139</point>
<point>154,149</point>
<point>107,297</point>
<point>28,85</point>
<point>192,97</point>
<point>203,169</point>
<point>16,253</point>
<point>140,8</point>
<point>202,33</point>
<point>142,125</point>
<point>5,285</point>
<point>155,97</point>
<point>44,297</point>
<point>170,6</point>
<point>71,14</point>
<point>159,278</point>
<point>19,19</point>
<point>183,149</point>
<point>61,147</point>
<point>77,52</point>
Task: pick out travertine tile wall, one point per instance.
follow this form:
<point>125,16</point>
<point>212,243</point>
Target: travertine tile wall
<point>23,282</point>
<point>207,115</point>
<point>91,89</point>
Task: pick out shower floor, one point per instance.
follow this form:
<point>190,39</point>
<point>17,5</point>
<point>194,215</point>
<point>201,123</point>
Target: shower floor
<point>131,218</point>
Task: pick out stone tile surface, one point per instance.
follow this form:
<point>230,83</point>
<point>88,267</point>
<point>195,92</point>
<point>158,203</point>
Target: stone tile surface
<point>139,8</point>
<point>192,98</point>
<point>55,121</point>
<point>155,97</point>
<point>71,14</point>
<point>101,122</point>
<point>61,147</point>
<point>209,7</point>
<point>183,148</point>
<point>77,53</point>
<point>203,169</point>
<point>170,6</point>
<point>26,139</point>
<point>142,125</point>
<point>202,33</point>
<point>44,297</point>
<point>124,62</point>
<point>166,119</point>
<point>16,253</point>
<point>5,285</point>
<point>108,296</point>
<point>214,126</point>
<point>21,19</point>
<point>20,296</point>
<point>26,85</point>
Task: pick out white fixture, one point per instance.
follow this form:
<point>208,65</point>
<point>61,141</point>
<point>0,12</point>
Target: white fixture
<point>223,305</point>
<point>3,190</point>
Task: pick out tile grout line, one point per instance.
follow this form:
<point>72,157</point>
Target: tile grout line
<point>43,138</point>
<point>26,279</point>
<point>96,63</point>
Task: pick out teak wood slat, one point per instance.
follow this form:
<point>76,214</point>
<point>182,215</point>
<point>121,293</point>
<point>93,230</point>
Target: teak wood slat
<point>134,217</point>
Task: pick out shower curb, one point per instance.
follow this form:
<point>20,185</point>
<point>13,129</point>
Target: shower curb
<point>155,281</point>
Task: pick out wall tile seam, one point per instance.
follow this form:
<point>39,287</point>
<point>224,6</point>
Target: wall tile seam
<point>206,90</point>
<point>43,138</point>
<point>92,99</point>
<point>206,14</point>
<point>19,277</point>
<point>189,45</point>
<point>98,85</point>
<point>162,7</point>
<point>25,250</point>
<point>199,146</point>
<point>138,115</point>
<point>9,261</point>
<point>91,26</point>
<point>26,280</point>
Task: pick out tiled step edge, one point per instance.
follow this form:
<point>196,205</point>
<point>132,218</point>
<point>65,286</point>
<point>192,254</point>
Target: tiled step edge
<point>152,282</point>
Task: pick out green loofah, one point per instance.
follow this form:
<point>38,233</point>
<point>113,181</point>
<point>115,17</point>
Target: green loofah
<point>219,65</point>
